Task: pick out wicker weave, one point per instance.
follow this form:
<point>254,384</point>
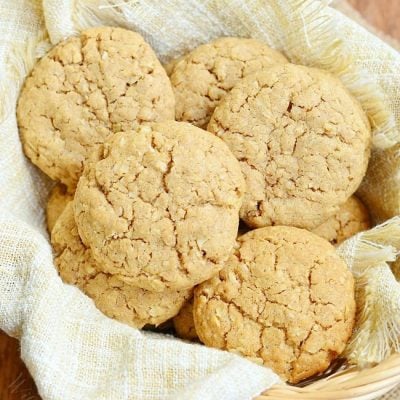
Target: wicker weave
<point>347,384</point>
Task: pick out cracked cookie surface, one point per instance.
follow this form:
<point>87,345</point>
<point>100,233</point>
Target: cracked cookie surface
<point>84,90</point>
<point>203,77</point>
<point>302,140</point>
<point>57,201</point>
<point>115,298</point>
<point>184,324</point>
<point>352,218</point>
<point>160,206</point>
<point>285,299</point>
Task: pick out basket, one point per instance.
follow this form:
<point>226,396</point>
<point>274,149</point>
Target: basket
<point>348,384</point>
<point>341,382</point>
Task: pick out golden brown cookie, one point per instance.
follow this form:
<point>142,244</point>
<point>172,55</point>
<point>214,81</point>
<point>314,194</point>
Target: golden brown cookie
<point>115,298</point>
<point>84,90</point>
<point>204,76</point>
<point>302,141</point>
<point>352,217</point>
<point>184,323</point>
<point>160,206</point>
<point>58,199</point>
<point>285,299</point>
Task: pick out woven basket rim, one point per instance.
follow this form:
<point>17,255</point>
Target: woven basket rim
<point>348,384</point>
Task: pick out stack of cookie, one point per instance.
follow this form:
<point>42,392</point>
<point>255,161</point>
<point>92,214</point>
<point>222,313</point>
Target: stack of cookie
<point>144,218</point>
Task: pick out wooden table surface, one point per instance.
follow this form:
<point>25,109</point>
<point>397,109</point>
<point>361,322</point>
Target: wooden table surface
<point>15,381</point>
<point>382,14</point>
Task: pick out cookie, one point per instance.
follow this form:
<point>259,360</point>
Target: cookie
<point>84,90</point>
<point>204,76</point>
<point>58,199</point>
<point>302,140</point>
<point>160,206</point>
<point>115,298</point>
<point>352,217</point>
<point>184,323</point>
<point>284,299</point>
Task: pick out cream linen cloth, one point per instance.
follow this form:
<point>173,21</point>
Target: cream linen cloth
<point>70,348</point>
